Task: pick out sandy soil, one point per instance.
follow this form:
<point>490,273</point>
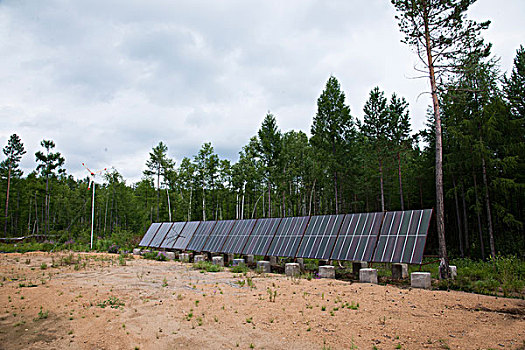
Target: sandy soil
<point>168,305</point>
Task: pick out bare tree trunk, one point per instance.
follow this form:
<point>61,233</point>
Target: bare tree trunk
<point>189,205</point>
<point>204,205</point>
<point>158,194</point>
<point>381,182</point>
<point>487,204</point>
<point>480,230</point>
<point>465,220</point>
<point>458,217</point>
<point>440,204</point>
<point>7,199</point>
<point>36,213</point>
<point>169,204</point>
<point>311,196</point>
<point>269,199</point>
<point>400,180</point>
<point>336,194</point>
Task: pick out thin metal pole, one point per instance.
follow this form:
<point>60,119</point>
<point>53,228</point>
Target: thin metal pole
<point>92,214</point>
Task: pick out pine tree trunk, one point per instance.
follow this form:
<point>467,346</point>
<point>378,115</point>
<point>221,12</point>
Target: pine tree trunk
<point>465,220</point>
<point>400,181</point>
<point>158,194</point>
<point>7,199</point>
<point>381,182</point>
<point>480,230</point>
<point>203,205</point>
<point>440,204</point>
<point>487,204</point>
<point>46,209</point>
<point>269,199</point>
<point>458,217</point>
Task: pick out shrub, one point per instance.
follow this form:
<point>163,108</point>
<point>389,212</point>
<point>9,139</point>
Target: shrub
<point>207,266</point>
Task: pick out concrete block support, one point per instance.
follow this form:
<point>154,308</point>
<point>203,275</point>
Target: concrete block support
<point>358,265</point>
<point>292,269</point>
<point>399,271</point>
<point>273,261</point>
<point>250,259</point>
<point>218,260</point>
<point>184,257</point>
<point>453,271</point>
<point>264,266</point>
<point>327,271</point>
<point>367,275</point>
<point>300,261</point>
<point>198,258</point>
<point>238,262</point>
<point>136,251</point>
<point>170,255</point>
<point>420,280</point>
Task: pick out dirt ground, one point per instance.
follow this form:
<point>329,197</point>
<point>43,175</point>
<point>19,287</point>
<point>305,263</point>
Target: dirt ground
<point>97,303</point>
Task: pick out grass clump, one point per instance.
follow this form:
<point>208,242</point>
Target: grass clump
<point>112,302</point>
<point>239,269</point>
<point>207,266</point>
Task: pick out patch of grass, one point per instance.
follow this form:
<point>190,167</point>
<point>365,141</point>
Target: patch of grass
<point>207,266</point>
<point>122,260</point>
<point>164,282</point>
<point>239,269</point>
<point>43,266</point>
<point>249,320</point>
<point>112,302</point>
<point>42,315</point>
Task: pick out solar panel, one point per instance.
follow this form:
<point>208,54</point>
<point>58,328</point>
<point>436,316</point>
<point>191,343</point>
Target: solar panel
<point>186,235</point>
<point>172,235</point>
<point>319,238</point>
<point>238,236</point>
<point>149,234</point>
<point>403,236</point>
<point>201,235</point>
<point>218,236</point>
<point>357,237</point>
<point>160,235</point>
<point>288,236</point>
<point>261,237</point>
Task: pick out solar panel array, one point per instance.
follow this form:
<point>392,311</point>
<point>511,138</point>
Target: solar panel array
<point>390,237</point>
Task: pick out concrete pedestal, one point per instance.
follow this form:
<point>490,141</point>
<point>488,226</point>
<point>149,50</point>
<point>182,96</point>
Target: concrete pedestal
<point>218,260</point>
<point>273,261</point>
<point>367,275</point>
<point>184,257</point>
<point>238,262</point>
<point>358,265</point>
<point>327,271</point>
<point>399,271</point>
<point>420,280</point>
<point>136,251</point>
<point>250,259</point>
<point>198,258</point>
<point>264,266</point>
<point>300,261</point>
<point>453,271</point>
<point>170,255</point>
<point>292,269</point>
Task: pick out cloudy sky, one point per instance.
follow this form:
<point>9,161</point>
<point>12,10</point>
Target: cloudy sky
<point>108,80</point>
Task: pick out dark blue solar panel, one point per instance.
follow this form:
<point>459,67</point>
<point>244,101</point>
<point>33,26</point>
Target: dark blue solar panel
<point>201,235</point>
<point>160,235</point>
<point>320,236</point>
<point>186,235</point>
<point>403,237</point>
<point>172,235</point>
<point>238,236</point>
<point>357,237</point>
<point>288,236</point>
<point>218,236</point>
<point>144,242</point>
<point>261,237</point>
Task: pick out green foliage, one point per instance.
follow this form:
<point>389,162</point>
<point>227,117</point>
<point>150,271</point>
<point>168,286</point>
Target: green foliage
<point>159,256</point>
<point>113,302</point>
<point>207,266</point>
<point>499,276</point>
<point>239,269</point>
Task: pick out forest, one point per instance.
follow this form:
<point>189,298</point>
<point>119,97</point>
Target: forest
<point>344,164</point>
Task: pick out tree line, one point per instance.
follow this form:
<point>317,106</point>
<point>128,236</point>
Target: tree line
<point>471,153</point>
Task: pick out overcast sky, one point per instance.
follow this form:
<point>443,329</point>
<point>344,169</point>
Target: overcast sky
<point>108,80</point>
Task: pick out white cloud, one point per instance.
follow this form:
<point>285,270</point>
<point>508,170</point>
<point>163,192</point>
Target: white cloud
<point>108,80</point>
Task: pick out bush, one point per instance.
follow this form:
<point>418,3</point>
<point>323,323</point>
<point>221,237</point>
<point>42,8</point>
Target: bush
<point>207,266</point>
<point>239,269</point>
